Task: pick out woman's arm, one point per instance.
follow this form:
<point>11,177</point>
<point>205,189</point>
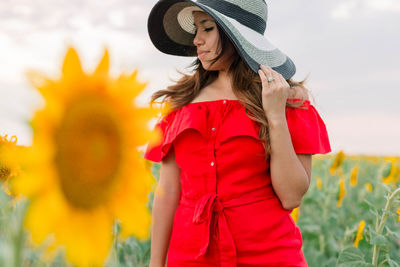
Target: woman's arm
<point>290,172</point>
<point>165,202</point>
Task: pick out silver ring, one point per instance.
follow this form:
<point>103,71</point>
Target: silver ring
<point>270,79</point>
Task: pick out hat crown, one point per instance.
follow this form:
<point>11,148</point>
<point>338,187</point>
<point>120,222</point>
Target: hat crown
<point>256,7</point>
<point>252,13</point>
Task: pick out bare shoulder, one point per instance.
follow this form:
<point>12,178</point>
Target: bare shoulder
<point>298,92</point>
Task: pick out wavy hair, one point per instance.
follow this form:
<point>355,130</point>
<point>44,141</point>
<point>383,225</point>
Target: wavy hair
<point>247,87</point>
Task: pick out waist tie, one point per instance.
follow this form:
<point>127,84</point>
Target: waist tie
<point>209,205</point>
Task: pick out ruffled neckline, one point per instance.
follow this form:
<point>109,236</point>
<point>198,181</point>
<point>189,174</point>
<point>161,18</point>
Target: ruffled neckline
<point>234,103</point>
<point>307,130</point>
<point>215,101</point>
<point>237,101</point>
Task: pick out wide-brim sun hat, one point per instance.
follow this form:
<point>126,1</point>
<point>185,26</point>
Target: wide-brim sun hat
<point>170,27</point>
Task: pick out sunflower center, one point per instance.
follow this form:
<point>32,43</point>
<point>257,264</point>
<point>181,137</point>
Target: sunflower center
<point>88,151</point>
<point>4,173</point>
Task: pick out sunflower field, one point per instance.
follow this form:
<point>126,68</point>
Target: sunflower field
<point>350,216</point>
<point>82,194</point>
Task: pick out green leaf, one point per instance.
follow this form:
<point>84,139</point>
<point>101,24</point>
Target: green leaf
<point>330,263</point>
<point>352,256</point>
<point>372,206</point>
<point>391,262</point>
<point>386,169</point>
<point>377,239</point>
<point>390,233</point>
<point>311,228</point>
<point>332,244</point>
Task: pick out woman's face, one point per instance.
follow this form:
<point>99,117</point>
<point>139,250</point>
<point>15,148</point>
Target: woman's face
<point>207,41</point>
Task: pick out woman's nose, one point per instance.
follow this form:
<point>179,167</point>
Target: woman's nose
<point>197,39</point>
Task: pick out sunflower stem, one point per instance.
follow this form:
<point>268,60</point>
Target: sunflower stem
<point>379,228</point>
<point>19,234</point>
<point>115,243</point>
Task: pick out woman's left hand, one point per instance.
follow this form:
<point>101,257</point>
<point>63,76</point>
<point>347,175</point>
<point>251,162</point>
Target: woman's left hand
<point>274,93</point>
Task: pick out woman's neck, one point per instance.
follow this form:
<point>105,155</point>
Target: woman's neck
<point>223,83</point>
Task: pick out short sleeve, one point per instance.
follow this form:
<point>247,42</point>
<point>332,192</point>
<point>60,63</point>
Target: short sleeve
<point>156,151</point>
<point>307,129</point>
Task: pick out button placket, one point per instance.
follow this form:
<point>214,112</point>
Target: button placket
<point>212,145</point>
<point>214,125</point>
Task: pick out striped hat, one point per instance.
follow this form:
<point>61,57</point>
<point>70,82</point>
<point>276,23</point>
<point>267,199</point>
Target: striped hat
<point>171,29</point>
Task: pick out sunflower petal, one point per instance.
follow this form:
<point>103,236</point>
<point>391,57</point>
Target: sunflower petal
<point>72,67</point>
<point>36,79</point>
<point>104,65</point>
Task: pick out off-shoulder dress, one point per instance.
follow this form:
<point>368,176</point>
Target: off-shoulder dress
<point>228,213</point>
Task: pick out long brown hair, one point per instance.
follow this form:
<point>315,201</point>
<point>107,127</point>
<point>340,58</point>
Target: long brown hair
<point>247,87</point>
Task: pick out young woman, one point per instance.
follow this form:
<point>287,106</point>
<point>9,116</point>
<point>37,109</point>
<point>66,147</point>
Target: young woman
<point>237,144</point>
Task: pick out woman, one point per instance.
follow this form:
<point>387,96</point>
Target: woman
<point>236,148</point>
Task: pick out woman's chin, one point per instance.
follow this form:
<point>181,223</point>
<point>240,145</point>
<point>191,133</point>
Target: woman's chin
<point>208,67</point>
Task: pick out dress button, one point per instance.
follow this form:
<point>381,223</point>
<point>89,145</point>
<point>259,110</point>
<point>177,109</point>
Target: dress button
<point>224,101</point>
<point>212,163</point>
<point>213,129</point>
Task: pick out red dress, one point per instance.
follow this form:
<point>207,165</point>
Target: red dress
<point>228,213</point>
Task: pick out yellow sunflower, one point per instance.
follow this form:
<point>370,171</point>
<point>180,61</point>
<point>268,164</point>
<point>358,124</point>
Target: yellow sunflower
<point>319,182</point>
<point>354,175</point>
<point>295,214</point>
<point>5,170</point>
<point>341,192</point>
<point>393,175</point>
<point>398,212</point>
<point>359,235</point>
<point>8,167</point>
<point>83,170</point>
<point>368,186</point>
<point>337,162</point>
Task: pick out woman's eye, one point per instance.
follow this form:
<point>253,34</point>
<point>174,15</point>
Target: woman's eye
<point>206,30</point>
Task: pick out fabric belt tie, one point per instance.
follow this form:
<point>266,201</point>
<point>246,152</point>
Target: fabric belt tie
<point>209,205</point>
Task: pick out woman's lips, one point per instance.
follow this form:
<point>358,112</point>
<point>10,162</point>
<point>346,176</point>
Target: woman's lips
<point>201,54</point>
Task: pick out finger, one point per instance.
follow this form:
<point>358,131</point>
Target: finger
<point>278,78</point>
<point>275,74</point>
<point>284,84</point>
<point>275,82</point>
<point>267,70</point>
<point>281,79</point>
<point>263,77</point>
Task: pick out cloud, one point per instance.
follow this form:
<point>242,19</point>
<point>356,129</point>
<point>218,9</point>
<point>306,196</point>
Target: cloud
<point>384,5</point>
<point>343,10</point>
<point>349,8</point>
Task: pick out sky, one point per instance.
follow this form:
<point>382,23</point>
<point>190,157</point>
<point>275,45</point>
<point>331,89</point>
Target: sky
<point>349,49</point>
